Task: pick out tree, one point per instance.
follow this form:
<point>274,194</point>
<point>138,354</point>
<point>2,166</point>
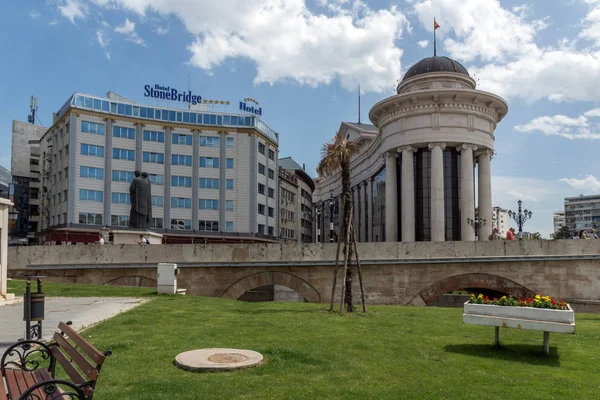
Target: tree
<point>335,157</point>
<point>562,233</point>
<point>536,236</point>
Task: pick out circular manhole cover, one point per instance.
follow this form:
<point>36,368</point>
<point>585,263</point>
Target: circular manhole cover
<point>217,359</point>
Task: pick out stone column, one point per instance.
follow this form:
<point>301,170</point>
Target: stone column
<point>485,193</point>
<point>369,230</point>
<point>362,237</point>
<point>408,194</point>
<point>437,219</point>
<point>391,201</point>
<point>467,191</point>
<point>356,208</point>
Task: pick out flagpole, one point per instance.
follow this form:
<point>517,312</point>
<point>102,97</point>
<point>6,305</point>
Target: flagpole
<point>434,42</point>
<point>359,103</point>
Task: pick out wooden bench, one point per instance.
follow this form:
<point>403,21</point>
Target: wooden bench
<point>23,378</point>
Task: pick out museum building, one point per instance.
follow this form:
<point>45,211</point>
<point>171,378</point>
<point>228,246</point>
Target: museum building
<point>205,168</point>
<point>414,176</point>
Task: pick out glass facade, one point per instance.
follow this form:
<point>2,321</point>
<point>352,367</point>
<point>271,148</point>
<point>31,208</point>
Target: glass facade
<point>108,106</point>
<point>452,212</point>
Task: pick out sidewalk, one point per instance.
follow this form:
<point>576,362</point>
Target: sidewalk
<point>82,311</point>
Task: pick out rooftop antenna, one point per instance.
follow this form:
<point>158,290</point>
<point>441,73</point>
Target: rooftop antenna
<point>359,103</point>
<point>33,106</point>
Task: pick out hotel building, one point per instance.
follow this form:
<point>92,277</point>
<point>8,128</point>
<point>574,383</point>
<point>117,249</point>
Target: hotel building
<point>206,170</point>
<point>414,177</point>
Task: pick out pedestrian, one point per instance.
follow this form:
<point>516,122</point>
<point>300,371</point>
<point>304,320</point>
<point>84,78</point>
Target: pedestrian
<point>593,234</point>
<point>143,240</point>
<point>495,234</point>
<point>510,235</point>
<point>101,240</point>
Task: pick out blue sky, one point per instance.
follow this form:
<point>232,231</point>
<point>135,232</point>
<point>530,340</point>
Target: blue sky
<point>303,59</point>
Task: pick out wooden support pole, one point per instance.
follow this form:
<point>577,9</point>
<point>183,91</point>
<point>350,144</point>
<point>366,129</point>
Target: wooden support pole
<point>347,224</point>
<point>335,272</point>
<point>360,281</point>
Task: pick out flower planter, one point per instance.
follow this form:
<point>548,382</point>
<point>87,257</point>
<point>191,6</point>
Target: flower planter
<point>525,313</point>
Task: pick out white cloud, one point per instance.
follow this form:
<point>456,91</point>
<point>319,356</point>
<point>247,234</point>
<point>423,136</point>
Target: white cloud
<point>128,29</point>
<point>561,125</point>
<point>521,196</point>
<point>423,43</point>
<point>353,44</point>
<point>102,39</point>
<point>72,9</point>
<point>589,184</point>
<point>53,22</point>
<point>159,30</point>
<point>483,29</point>
<point>33,14</point>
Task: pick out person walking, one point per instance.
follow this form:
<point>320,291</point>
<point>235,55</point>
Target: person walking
<point>510,235</point>
<point>143,240</point>
<point>101,240</point>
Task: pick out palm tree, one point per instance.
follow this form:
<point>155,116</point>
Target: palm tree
<point>335,156</point>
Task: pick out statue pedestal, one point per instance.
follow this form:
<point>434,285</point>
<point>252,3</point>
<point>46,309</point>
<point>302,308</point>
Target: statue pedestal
<point>133,237</point>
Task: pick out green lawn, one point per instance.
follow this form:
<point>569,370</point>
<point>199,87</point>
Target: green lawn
<point>76,290</point>
<point>390,353</point>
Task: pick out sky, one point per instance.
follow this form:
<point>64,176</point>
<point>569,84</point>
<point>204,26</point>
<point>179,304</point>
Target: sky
<point>303,60</point>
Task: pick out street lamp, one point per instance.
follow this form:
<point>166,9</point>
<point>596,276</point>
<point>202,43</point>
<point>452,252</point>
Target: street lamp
<point>331,215</point>
<point>476,224</point>
<point>520,218</point>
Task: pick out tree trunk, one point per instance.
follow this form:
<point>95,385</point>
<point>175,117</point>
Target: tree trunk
<point>345,271</point>
<point>346,230</point>
<point>335,272</point>
<point>360,280</point>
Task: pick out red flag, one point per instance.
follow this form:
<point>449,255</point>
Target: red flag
<point>435,25</point>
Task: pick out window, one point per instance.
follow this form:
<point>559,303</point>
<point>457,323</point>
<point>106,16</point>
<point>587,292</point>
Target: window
<point>208,226</point>
<point>261,188</point>
<point>65,195</point>
<point>154,158</point>
<point>91,150</point>
<point>228,205</point>
<point>90,172</point>
<point>157,201</point>
<point>153,136</point>
<point>272,193</point>
<point>209,141</point>
<point>178,159</point>
<point>261,169</point>
<point>156,179</point>
<point>271,231</point>
<point>120,198</point>
<point>261,229</point>
<point>271,174</point>
<point>124,154</point>
<point>59,176</point>
<point>90,195</point>
<point>261,209</point>
<point>271,155</point>
<point>209,162</point>
<point>271,212</point>
<point>229,142</point>
<point>67,172</point>
<point>90,219</point>
<point>181,202</point>
<point>181,224</point>
<point>229,184</point>
<point>182,139</point>
<point>261,148</point>
<point>156,223</point>
<point>92,127</point>
<point>119,220</point>
<point>205,204</point>
<point>66,150</point>
<point>181,181</point>
<point>229,163</point>
<point>122,176</point>
<point>229,226</point>
<point>58,198</point>
<point>125,133</point>
<point>209,183</point>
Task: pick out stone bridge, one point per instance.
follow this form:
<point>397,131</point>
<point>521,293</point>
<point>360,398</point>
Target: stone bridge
<point>394,273</point>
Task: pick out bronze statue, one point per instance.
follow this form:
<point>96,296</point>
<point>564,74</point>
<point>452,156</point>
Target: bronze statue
<point>140,193</point>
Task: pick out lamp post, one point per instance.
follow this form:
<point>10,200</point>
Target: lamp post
<point>331,215</point>
<point>520,217</point>
<point>476,223</point>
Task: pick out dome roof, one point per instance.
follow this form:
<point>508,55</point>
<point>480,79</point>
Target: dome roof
<point>435,64</point>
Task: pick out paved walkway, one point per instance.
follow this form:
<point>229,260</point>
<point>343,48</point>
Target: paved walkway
<point>82,311</point>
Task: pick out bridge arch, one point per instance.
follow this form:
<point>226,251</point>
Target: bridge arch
<point>264,278</point>
<point>464,281</point>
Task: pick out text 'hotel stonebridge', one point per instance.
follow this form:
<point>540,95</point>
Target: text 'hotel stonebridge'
<point>414,177</point>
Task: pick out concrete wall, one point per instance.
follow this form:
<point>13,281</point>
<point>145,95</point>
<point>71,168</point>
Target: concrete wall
<point>22,133</point>
<point>394,273</point>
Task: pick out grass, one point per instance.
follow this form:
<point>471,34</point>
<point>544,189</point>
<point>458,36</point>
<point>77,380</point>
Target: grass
<point>389,353</point>
<point>77,290</point>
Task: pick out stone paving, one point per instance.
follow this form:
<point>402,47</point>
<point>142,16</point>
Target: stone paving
<point>82,311</point>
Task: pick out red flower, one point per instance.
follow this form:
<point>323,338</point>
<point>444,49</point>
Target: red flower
<point>553,302</point>
<point>487,298</point>
<point>495,299</point>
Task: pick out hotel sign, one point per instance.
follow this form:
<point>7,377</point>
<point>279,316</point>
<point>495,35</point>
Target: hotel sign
<point>168,93</point>
<point>250,109</point>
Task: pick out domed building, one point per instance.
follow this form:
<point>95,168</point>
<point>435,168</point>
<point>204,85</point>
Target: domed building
<point>414,177</point>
